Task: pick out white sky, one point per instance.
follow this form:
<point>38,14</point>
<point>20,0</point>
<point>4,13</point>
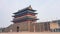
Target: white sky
<point>47,10</point>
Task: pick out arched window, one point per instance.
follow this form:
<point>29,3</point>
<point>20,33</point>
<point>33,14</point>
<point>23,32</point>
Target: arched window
<point>17,28</point>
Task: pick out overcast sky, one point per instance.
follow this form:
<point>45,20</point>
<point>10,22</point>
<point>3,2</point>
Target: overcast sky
<point>47,10</point>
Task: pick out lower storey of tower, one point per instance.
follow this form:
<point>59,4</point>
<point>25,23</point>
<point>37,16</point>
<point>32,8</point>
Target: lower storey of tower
<point>28,27</point>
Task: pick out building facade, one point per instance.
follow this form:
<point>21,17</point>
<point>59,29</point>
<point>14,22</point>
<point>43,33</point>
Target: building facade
<point>25,20</point>
<point>55,26</point>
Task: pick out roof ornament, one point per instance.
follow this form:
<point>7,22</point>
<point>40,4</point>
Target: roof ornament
<point>30,7</point>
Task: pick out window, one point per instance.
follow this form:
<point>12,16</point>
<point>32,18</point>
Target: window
<point>17,28</point>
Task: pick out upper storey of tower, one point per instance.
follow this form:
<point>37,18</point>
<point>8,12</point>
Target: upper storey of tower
<point>25,11</point>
